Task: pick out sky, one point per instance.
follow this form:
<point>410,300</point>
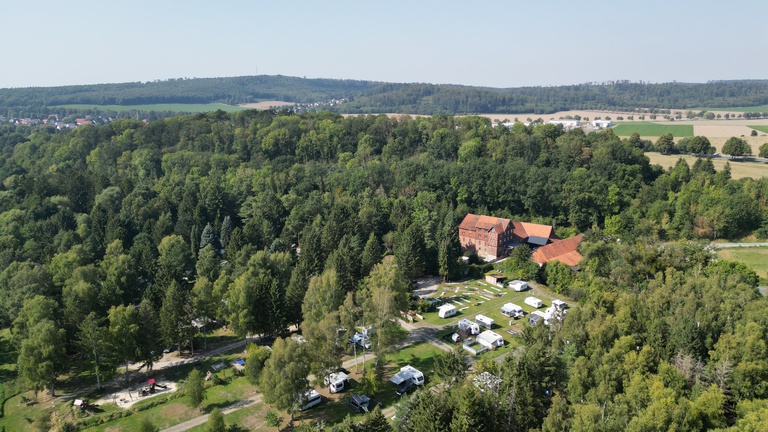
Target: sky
<point>478,43</point>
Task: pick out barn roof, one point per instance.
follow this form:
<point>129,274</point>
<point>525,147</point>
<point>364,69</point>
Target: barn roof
<point>564,251</point>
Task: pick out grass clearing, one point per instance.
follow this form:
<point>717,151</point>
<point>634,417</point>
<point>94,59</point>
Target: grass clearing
<point>755,258</point>
<point>738,169</point>
<point>763,129</point>
<point>191,108</point>
<point>651,129</point>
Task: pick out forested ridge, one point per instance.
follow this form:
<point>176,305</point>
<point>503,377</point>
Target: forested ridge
<point>113,238</point>
<point>377,97</point>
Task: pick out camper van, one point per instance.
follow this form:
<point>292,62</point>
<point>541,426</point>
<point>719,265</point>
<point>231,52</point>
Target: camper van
<point>559,305</point>
<point>484,321</point>
<point>512,310</point>
<point>518,285</point>
<point>312,398</point>
<point>533,302</point>
<point>337,382</point>
<point>446,311</point>
<point>537,316</point>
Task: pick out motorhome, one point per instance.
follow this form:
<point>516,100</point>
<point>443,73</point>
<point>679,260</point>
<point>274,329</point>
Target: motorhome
<point>512,310</point>
<point>484,321</point>
<point>559,305</point>
<point>446,311</point>
<point>337,382</point>
<point>312,398</point>
<point>533,302</point>
<point>406,373</point>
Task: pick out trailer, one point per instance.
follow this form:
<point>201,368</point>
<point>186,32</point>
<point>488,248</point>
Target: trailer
<point>518,285</point>
<point>484,321</point>
<point>446,311</point>
<point>490,339</point>
<point>512,310</point>
<point>533,302</point>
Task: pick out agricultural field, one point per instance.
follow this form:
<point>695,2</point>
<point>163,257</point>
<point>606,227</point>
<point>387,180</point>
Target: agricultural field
<point>759,128</point>
<point>739,169</point>
<point>651,129</point>
<point>191,108</point>
<point>760,108</point>
<point>754,258</point>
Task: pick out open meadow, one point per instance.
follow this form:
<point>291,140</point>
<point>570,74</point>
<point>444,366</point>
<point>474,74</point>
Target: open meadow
<point>755,258</point>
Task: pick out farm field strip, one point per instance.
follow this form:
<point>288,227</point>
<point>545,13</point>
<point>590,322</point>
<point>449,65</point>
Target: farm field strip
<point>759,128</point>
<point>646,129</point>
<point>738,169</point>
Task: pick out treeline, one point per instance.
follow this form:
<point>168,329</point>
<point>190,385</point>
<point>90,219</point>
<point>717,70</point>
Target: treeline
<point>375,97</point>
<point>265,219</point>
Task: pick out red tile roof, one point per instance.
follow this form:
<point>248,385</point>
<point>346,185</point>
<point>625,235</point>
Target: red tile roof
<point>485,223</point>
<point>562,250</point>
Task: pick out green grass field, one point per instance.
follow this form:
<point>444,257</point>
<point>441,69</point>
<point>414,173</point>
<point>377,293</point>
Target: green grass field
<point>754,258</point>
<point>763,129</point>
<point>650,129</point>
<point>192,108</point>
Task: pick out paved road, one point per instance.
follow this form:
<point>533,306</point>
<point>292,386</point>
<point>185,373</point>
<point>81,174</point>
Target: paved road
<point>735,245</point>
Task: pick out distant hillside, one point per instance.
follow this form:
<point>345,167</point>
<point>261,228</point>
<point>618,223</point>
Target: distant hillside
<point>377,97</point>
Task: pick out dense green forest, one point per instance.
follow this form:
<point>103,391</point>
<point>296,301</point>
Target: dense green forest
<point>376,97</point>
<point>265,219</point>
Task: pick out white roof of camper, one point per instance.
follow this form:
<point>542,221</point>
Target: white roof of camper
<point>489,336</point>
<point>484,318</point>
<point>406,373</point>
<point>510,307</point>
<point>447,307</point>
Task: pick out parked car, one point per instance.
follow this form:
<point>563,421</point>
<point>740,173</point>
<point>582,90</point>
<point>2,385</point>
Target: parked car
<point>406,387</point>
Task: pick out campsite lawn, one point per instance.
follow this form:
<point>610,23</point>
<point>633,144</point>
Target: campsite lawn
<point>754,258</point>
<point>651,129</point>
<point>247,419</point>
<point>191,108</point>
<point>178,410</point>
<point>762,128</point>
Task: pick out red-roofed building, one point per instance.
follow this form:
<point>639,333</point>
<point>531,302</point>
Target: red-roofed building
<point>490,236</point>
<point>564,251</point>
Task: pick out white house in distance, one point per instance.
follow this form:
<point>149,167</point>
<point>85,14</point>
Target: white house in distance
<point>602,124</point>
<point>567,124</point>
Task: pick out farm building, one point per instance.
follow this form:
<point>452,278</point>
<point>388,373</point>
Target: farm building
<point>567,124</point>
<point>565,251</point>
<point>602,123</point>
<point>491,237</point>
